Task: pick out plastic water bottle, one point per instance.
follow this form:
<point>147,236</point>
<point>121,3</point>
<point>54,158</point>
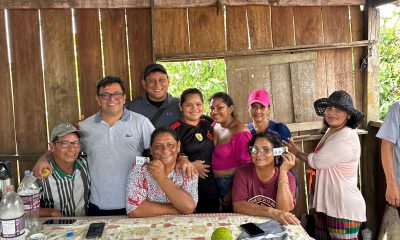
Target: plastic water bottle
<point>29,191</point>
<point>12,216</point>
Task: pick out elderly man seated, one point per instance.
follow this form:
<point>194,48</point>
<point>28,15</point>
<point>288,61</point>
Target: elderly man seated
<point>156,188</point>
<point>65,192</point>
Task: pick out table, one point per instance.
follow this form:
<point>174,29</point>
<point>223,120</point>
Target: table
<point>194,226</point>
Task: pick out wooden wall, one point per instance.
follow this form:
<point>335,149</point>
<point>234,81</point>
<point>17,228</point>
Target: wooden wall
<point>49,83</point>
<point>53,70</point>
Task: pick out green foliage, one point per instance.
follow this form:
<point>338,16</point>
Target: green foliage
<point>206,75</point>
<point>389,75</point>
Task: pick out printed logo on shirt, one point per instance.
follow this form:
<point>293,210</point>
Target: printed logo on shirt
<point>199,137</point>
<point>263,201</point>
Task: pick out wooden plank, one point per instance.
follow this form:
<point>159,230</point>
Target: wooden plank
<point>140,50</point>
<point>276,50</point>
<point>308,25</point>
<point>30,116</point>
<point>114,45</point>
<point>281,104</point>
<point>321,73</point>
<point>373,187</point>
<point>336,24</point>
<point>305,126</point>
<point>339,70</point>
<point>358,78</point>
<point>165,3</point>
<point>304,86</point>
<point>89,57</point>
<point>236,28</point>
<point>59,67</point>
<point>282,26</point>
<point>371,76</point>
<point>356,23</point>
<point>7,133</point>
<point>206,29</point>
<point>171,32</point>
<point>239,77</point>
<point>259,19</point>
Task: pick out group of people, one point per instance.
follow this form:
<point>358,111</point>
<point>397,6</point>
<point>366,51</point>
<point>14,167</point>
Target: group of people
<point>200,164</point>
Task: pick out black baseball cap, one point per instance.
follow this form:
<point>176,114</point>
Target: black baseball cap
<point>154,67</point>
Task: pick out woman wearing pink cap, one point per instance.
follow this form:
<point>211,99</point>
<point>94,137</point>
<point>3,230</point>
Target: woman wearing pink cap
<point>259,102</point>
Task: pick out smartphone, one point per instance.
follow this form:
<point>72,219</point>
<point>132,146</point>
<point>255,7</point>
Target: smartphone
<point>95,230</point>
<point>60,221</point>
<point>252,229</point>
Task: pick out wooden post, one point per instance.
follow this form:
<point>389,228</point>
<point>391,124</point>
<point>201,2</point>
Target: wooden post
<point>370,163</point>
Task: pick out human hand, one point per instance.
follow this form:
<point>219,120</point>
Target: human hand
<point>289,160</point>
<point>201,168</point>
<point>393,194</point>
<point>186,167</point>
<point>40,165</point>
<point>157,169</point>
<point>293,148</point>
<point>285,218</point>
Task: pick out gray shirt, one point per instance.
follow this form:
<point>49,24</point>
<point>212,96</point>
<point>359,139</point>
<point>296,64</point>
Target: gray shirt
<point>110,153</point>
<point>390,131</point>
<point>171,113</point>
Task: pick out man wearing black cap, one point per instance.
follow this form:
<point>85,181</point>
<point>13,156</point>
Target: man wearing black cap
<point>156,104</point>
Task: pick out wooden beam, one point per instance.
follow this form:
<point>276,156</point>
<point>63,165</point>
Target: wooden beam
<point>305,126</point>
<point>30,4</point>
<point>276,50</point>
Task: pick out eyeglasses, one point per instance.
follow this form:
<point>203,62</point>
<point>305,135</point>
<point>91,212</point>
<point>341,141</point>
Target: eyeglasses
<point>169,146</point>
<point>107,96</point>
<point>66,144</point>
<point>255,149</point>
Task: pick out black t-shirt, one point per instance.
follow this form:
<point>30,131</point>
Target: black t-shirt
<point>197,143</point>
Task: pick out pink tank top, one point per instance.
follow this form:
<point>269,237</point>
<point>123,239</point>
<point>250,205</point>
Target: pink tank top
<point>232,154</point>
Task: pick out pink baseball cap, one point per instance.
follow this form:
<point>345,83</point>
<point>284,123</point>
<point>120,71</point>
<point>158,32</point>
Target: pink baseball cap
<point>259,96</point>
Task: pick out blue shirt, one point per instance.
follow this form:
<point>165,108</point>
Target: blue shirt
<point>390,131</point>
<point>280,129</point>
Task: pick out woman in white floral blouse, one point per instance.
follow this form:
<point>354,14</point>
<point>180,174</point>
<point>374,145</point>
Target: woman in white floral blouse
<point>155,188</point>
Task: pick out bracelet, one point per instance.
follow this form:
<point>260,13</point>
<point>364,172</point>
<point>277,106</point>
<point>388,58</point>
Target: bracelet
<point>280,181</point>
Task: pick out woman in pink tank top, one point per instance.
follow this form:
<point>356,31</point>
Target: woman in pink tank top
<point>231,139</point>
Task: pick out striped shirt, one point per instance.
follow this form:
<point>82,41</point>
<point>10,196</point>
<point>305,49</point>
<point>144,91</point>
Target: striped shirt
<point>67,193</point>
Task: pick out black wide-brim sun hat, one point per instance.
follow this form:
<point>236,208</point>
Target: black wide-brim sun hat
<point>342,100</point>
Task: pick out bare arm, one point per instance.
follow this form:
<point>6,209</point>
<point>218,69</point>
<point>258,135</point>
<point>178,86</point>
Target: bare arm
<point>392,189</point>
<point>282,217</point>
<point>284,197</point>
<point>180,199</point>
<point>293,148</point>
<point>152,209</point>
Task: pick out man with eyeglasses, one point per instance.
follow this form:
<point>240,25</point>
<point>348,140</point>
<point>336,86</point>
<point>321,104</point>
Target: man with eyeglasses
<point>65,192</point>
<point>156,104</point>
<point>112,139</point>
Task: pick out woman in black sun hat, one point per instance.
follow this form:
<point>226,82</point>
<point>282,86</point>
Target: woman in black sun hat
<point>338,202</point>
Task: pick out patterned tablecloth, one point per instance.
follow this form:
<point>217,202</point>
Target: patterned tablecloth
<point>195,226</point>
